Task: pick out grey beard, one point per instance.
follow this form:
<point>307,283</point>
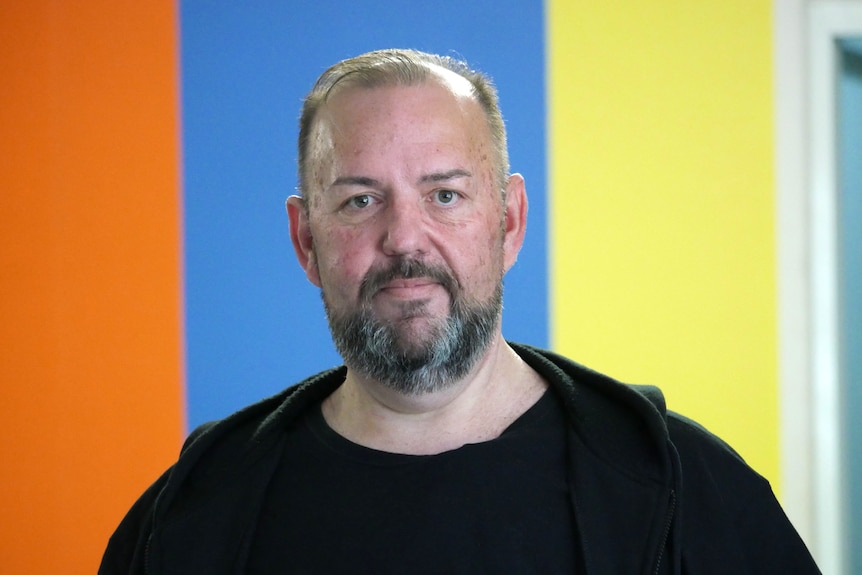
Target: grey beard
<point>448,352</point>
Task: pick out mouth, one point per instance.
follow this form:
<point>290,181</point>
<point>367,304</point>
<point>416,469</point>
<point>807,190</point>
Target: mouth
<point>407,280</point>
<point>413,288</point>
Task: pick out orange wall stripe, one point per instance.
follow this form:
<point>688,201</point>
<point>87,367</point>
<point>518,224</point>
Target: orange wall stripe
<point>90,297</point>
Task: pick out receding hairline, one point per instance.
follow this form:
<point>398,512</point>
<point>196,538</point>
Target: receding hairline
<point>435,74</point>
<point>461,96</point>
<point>392,68</point>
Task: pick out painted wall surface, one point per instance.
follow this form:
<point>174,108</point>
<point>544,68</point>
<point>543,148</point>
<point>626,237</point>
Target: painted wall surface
<point>254,323</point>
<point>90,347</point>
<point>661,186</point>
<point>653,234</point>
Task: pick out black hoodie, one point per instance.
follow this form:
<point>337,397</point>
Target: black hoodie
<point>652,491</point>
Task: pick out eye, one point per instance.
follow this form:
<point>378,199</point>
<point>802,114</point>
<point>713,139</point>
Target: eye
<point>359,202</point>
<point>446,197</point>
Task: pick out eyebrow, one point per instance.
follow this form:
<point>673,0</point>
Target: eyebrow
<point>367,182</point>
<point>445,176</point>
<point>356,181</point>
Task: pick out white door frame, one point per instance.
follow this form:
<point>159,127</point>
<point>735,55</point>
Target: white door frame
<point>806,181</point>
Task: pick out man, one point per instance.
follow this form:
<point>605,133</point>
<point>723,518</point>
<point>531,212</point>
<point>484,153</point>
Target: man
<point>439,447</point>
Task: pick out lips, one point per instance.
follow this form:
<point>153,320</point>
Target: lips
<point>410,288</point>
<point>407,279</point>
<point>409,283</point>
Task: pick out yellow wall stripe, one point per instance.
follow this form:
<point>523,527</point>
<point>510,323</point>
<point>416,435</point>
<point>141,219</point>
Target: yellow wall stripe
<point>662,205</point>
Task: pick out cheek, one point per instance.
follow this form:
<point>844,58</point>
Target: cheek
<point>480,259</point>
<point>490,236</point>
<point>340,256</point>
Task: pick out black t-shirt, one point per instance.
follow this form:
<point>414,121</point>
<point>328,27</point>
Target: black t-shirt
<point>500,506</point>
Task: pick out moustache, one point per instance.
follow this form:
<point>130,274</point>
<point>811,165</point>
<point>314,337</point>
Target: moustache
<point>379,277</point>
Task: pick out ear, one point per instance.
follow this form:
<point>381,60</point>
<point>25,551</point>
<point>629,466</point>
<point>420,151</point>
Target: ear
<point>515,219</point>
<point>300,236</point>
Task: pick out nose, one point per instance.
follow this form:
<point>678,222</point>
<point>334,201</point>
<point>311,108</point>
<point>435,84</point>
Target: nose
<point>406,229</point>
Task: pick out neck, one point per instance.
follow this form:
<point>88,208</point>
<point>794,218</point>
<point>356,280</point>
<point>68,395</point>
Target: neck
<point>477,408</point>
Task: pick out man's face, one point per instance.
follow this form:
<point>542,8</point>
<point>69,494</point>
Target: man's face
<point>406,226</point>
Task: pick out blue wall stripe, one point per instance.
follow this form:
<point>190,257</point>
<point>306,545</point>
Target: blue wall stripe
<point>253,323</point>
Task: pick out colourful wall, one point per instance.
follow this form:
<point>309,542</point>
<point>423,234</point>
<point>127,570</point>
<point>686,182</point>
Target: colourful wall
<point>135,303</point>
<point>254,324</point>
<point>663,205</point>
<point>90,315</point>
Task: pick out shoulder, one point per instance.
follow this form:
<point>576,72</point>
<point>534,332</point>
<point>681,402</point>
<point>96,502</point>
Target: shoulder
<point>726,504</point>
<point>695,443</point>
<point>716,478</point>
<point>623,425</point>
<point>217,447</point>
<point>711,466</point>
<point>213,454</point>
<point>726,513</point>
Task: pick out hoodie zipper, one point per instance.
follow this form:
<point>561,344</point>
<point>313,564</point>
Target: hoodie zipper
<point>147,553</point>
<point>667,525</point>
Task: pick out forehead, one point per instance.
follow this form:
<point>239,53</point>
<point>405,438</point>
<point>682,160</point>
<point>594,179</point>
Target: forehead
<point>405,131</point>
<point>440,104</point>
